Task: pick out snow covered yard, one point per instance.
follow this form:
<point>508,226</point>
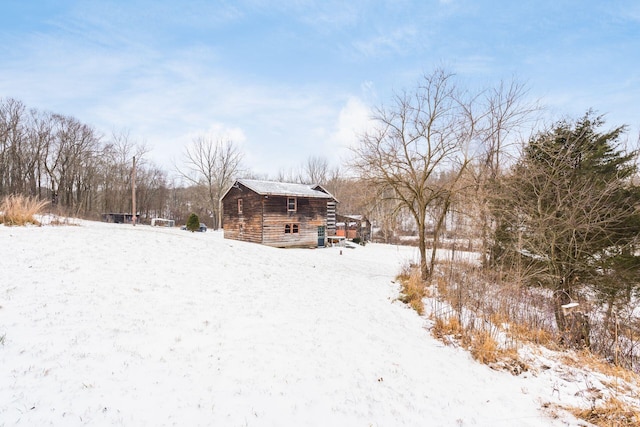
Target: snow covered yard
<point>105,324</point>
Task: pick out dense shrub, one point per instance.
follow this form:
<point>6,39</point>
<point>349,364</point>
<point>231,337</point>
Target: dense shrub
<point>193,223</point>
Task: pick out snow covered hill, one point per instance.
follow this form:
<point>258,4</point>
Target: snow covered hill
<point>104,324</point>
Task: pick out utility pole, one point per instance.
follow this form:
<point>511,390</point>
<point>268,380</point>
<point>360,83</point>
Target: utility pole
<point>133,193</point>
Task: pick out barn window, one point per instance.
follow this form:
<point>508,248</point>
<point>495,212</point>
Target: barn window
<point>291,204</point>
<point>240,206</point>
<point>291,228</point>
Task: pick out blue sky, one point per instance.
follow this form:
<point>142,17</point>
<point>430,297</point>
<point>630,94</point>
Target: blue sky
<point>287,80</point>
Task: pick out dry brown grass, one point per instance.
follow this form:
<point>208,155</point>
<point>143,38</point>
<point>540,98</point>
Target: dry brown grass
<point>447,326</point>
<point>492,317</point>
<point>483,347</point>
<point>613,413</point>
<point>527,333</point>
<point>488,300</point>
<point>413,289</point>
<point>63,221</point>
<point>405,273</point>
<point>499,318</point>
<point>441,284</point>
<point>594,363</point>
<point>481,344</point>
<point>20,210</point>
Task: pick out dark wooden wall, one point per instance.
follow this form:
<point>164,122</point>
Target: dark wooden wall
<point>248,225</point>
<point>310,214</point>
<point>264,218</point>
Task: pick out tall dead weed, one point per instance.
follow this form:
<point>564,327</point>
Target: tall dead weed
<point>413,288</point>
<point>20,210</point>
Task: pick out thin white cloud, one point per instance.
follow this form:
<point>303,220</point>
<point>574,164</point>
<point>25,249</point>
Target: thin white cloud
<point>219,131</point>
<point>353,122</point>
<point>398,41</point>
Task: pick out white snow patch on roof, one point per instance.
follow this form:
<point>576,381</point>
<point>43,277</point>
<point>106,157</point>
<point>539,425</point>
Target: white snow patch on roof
<point>269,188</point>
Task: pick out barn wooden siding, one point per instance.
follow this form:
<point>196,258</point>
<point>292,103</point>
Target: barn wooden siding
<point>310,214</point>
<point>264,218</point>
<point>248,225</point>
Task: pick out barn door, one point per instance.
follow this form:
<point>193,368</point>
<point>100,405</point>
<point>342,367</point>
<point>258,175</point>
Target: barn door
<point>321,235</point>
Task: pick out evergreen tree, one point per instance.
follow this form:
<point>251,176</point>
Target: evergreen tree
<point>193,223</point>
<point>567,213</point>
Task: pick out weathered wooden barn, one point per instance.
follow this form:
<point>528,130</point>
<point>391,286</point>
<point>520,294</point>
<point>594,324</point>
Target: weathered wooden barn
<point>278,214</point>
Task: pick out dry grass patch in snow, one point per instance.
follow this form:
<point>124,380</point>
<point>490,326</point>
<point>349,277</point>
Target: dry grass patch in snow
<point>481,344</point>
<point>612,413</point>
<point>494,320</point>
<point>413,288</point>
<point>447,326</point>
<point>456,326</point>
<point>20,210</point>
<point>587,359</point>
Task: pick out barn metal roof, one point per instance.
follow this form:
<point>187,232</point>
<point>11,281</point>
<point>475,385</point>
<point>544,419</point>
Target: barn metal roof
<point>272,188</point>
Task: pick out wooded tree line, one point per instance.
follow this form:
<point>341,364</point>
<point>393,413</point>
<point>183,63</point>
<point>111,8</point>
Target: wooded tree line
<point>60,159</point>
<point>81,172</point>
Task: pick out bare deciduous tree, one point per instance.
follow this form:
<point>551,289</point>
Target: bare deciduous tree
<point>508,113</point>
<point>13,146</point>
<point>212,163</point>
<point>425,133</point>
<point>117,160</point>
<point>316,170</point>
<point>72,143</point>
<point>58,157</point>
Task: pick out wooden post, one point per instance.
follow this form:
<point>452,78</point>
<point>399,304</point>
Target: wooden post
<point>133,193</point>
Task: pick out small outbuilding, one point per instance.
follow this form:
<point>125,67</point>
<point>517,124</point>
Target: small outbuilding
<point>278,214</point>
<point>117,217</point>
<point>353,227</point>
<point>162,222</point>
